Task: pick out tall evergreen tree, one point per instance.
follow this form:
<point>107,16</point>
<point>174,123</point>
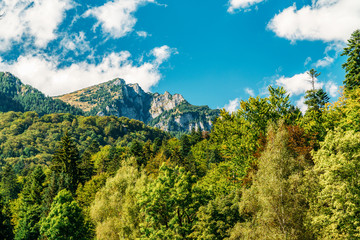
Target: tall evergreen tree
<point>30,213</point>
<point>352,64</point>
<point>316,99</point>
<point>66,161</point>
<point>9,187</point>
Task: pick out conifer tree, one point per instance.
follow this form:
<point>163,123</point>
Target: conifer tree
<point>352,64</point>
<point>66,161</point>
<point>30,207</point>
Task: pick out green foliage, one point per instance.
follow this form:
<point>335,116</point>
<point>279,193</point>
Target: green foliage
<point>65,220</point>
<point>30,209</point>
<point>66,162</point>
<point>6,228</point>
<point>169,205</point>
<point>352,64</point>
<point>316,99</point>
<point>336,201</point>
<point>115,209</point>
<point>20,97</point>
<point>217,218</point>
<point>32,140</point>
<point>274,207</point>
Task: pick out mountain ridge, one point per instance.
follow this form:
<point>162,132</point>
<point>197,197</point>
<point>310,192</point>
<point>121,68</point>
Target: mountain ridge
<point>165,111</point>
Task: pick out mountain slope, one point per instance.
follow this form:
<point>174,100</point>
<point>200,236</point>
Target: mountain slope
<point>16,96</point>
<point>165,111</point>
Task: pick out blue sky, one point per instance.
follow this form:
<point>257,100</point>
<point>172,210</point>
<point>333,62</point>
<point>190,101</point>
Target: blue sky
<point>213,52</point>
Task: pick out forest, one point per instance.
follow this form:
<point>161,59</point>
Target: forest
<point>266,171</point>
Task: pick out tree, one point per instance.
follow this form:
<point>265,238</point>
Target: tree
<point>66,161</point>
<point>169,205</point>
<point>9,185</point>
<point>274,207</point>
<point>115,210</point>
<point>30,210</point>
<point>65,220</point>
<point>352,64</point>
<point>313,75</point>
<point>6,228</point>
<point>316,99</point>
<point>335,205</point>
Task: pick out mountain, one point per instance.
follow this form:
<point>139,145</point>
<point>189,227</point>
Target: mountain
<point>165,111</point>
<point>18,97</point>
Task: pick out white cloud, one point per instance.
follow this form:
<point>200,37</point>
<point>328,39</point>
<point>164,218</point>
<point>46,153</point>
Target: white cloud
<point>297,84</point>
<point>233,105</point>
<point>307,60</point>
<point>142,34</point>
<point>163,53</point>
<point>326,61</point>
<point>301,104</point>
<point>117,17</point>
<point>37,19</point>
<point>250,91</point>
<point>76,43</point>
<point>43,73</point>
<point>327,20</point>
<point>241,4</point>
<point>332,88</point>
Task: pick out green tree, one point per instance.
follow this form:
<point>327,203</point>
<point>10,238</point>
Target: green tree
<point>169,205</point>
<point>65,220</point>
<point>335,205</point>
<point>10,187</point>
<point>316,99</point>
<point>115,210</point>
<point>66,161</point>
<point>352,64</point>
<point>274,207</point>
<point>30,210</point>
<point>217,218</point>
<point>6,228</point>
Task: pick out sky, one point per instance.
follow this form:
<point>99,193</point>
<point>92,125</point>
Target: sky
<point>213,52</point>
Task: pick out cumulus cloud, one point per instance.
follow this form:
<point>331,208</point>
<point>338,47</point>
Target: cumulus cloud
<point>35,19</point>
<point>117,17</point>
<point>297,84</point>
<point>301,104</point>
<point>43,73</point>
<point>241,4</point>
<point>326,61</point>
<point>250,91</point>
<point>326,20</point>
<point>163,53</point>
<point>332,88</point>
<point>233,105</point>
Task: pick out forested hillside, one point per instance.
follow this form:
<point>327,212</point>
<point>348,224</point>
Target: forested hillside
<point>267,171</point>
<point>16,96</point>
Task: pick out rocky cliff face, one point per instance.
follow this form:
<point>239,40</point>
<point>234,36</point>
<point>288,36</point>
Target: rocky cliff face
<point>165,111</point>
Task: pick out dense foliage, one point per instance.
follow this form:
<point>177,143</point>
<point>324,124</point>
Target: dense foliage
<point>267,171</point>
<point>16,96</point>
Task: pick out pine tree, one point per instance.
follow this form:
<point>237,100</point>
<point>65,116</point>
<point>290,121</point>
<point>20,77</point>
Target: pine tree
<point>352,64</point>
<point>316,99</point>
<point>28,226</point>
<point>66,161</point>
